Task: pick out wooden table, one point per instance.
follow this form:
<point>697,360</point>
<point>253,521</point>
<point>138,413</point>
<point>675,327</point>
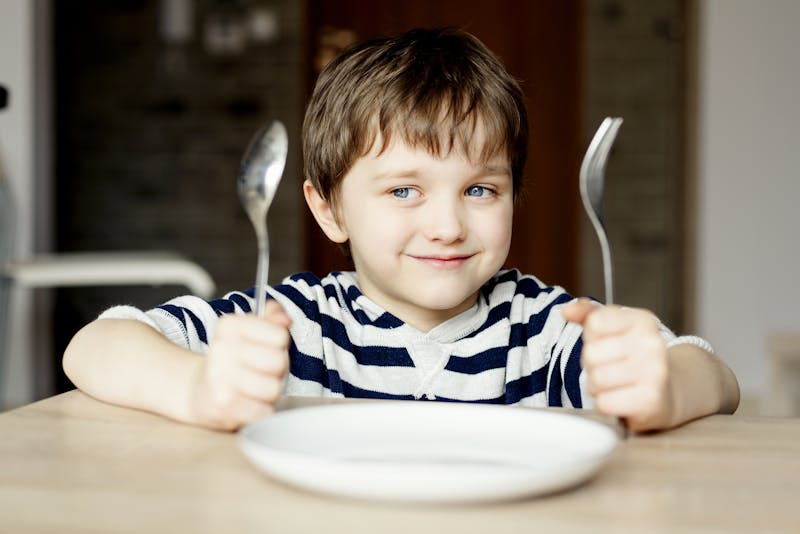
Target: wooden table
<point>73,464</point>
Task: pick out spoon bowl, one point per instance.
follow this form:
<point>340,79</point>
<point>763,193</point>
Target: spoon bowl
<point>259,175</point>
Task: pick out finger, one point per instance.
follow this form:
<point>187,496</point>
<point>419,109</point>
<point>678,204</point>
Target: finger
<point>636,403</point>
<point>577,310</point>
<point>252,329</point>
<point>275,313</point>
<point>259,386</point>
<point>245,410</point>
<point>618,320</point>
<point>267,360</point>
<point>606,321</point>
<point>603,378</point>
<point>624,360</point>
<point>601,351</point>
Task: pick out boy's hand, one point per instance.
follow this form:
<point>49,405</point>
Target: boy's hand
<point>625,360</point>
<point>241,377</point>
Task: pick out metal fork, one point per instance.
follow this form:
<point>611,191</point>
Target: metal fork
<point>592,182</point>
<point>592,179</point>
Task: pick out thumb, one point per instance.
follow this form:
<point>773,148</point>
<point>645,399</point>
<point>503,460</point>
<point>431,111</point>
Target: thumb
<point>578,310</point>
<point>274,312</point>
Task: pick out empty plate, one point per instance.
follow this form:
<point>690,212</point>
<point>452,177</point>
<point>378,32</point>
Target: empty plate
<point>428,451</point>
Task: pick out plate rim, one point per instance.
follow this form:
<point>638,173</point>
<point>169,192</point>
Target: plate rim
<point>520,485</point>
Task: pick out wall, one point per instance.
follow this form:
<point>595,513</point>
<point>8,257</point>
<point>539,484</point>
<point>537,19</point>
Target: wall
<point>16,151</point>
<point>633,68</point>
<point>149,139</point>
<point>748,250</point>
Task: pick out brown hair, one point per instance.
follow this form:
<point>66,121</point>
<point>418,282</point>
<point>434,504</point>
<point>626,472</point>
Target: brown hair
<point>431,87</point>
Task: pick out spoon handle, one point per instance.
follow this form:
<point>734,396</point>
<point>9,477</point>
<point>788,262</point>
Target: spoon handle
<point>262,273</point>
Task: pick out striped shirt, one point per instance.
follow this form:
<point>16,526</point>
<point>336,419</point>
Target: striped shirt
<point>511,347</point>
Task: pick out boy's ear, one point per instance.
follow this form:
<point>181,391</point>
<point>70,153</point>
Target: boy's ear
<point>324,214</point>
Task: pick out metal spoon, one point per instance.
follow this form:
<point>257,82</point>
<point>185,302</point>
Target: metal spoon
<point>592,178</point>
<point>260,173</point>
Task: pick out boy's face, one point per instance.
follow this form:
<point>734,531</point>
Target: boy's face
<point>425,232</point>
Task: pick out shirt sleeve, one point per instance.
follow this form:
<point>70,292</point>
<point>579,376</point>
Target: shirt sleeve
<point>187,321</point>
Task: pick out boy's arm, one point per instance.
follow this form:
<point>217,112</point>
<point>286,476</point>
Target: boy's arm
<point>701,384</point>
<point>127,362</point>
<point>632,374</point>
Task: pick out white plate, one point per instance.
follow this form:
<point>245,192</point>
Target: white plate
<point>428,451</point>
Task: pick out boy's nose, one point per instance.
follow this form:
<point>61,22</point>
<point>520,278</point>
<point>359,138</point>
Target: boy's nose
<point>444,222</point>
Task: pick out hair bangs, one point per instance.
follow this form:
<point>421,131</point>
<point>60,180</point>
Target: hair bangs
<point>440,124</point>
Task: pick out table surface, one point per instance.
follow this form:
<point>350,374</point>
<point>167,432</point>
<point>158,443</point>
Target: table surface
<point>72,464</point>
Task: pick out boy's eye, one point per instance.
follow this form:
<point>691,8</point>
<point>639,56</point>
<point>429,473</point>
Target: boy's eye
<point>478,191</point>
<point>405,192</point>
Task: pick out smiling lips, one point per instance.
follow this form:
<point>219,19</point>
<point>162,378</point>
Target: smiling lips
<point>444,262</point>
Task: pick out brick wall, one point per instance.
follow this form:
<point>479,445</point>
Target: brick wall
<point>149,139</point>
<point>634,69</point>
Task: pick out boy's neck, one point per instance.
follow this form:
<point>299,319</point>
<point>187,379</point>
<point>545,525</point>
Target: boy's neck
<point>423,319</point>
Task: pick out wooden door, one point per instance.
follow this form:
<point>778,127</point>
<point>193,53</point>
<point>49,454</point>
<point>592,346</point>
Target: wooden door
<point>539,42</point>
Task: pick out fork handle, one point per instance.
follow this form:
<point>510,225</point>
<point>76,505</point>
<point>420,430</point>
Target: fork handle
<point>608,269</point>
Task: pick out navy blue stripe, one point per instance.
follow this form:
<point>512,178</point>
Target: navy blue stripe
<point>526,386</point>
<point>309,307</point>
<point>368,355</point>
<point>512,275</point>
<point>198,325</point>
<point>521,333</point>
<point>530,288</point>
<point>537,321</point>
<point>517,337</point>
<point>496,314</point>
<point>175,311</point>
<point>572,374</point>
<point>354,392</point>
<point>493,358</point>
<point>554,394</point>
<point>181,313</point>
<point>346,300</point>
<point>386,320</point>
<point>221,306</point>
<point>307,367</point>
<point>241,301</point>
<point>307,277</point>
<point>233,301</point>
<point>495,400</point>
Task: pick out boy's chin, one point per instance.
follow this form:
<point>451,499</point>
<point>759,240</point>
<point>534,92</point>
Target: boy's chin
<point>445,303</point>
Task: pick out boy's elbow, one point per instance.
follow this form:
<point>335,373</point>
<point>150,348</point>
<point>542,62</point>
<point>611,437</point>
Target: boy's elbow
<point>80,350</point>
<point>731,393</point>
<point>70,360</point>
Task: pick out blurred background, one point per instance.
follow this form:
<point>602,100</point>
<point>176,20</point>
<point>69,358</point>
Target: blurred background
<point>126,121</point>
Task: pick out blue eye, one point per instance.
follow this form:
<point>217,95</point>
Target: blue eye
<point>478,191</point>
<point>403,192</point>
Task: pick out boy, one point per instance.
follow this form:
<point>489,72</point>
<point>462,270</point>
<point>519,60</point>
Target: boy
<point>414,149</point>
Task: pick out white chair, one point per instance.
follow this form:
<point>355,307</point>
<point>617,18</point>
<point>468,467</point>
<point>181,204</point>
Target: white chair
<point>108,269</point>
<point>83,268</point>
<point>145,268</point>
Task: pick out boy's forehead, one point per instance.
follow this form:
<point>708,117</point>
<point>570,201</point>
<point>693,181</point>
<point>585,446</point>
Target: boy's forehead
<point>400,150</point>
<point>473,145</point>
<point>398,158</point>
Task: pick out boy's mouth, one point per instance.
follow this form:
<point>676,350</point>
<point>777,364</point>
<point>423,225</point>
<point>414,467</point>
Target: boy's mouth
<point>444,261</point>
